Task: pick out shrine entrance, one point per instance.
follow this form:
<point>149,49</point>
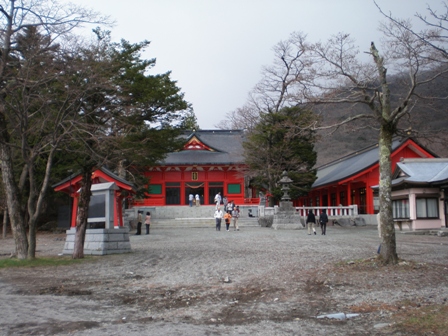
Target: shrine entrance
<point>195,188</point>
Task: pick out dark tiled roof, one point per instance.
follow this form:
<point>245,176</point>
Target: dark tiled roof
<point>422,171</point>
<point>227,146</point>
<point>350,165</point>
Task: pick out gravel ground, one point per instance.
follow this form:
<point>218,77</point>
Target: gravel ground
<point>256,281</point>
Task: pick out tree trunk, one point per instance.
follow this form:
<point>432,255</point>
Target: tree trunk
<point>32,241</point>
<point>5,222</point>
<point>388,252</point>
<point>13,202</point>
<point>83,214</point>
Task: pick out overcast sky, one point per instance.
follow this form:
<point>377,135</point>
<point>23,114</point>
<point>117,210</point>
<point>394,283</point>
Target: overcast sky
<point>216,48</point>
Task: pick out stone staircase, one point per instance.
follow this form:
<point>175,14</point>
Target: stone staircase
<point>200,223</point>
<point>188,217</point>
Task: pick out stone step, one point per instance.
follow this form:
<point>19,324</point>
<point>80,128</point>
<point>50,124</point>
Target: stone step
<point>172,212</point>
<point>199,222</point>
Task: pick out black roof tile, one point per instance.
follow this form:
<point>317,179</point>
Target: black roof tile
<point>226,148</point>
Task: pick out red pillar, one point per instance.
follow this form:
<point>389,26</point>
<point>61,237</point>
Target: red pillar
<point>349,193</point>
<point>369,200</point>
<point>74,211</point>
<point>118,213</point>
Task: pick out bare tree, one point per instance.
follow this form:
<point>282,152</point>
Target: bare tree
<point>244,117</point>
<point>53,20</point>
<point>277,121</point>
<point>339,76</point>
<point>336,72</point>
<point>277,87</point>
<point>435,29</point>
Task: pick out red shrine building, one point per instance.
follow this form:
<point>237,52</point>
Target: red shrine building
<point>119,190</point>
<point>211,161</point>
<point>349,180</point>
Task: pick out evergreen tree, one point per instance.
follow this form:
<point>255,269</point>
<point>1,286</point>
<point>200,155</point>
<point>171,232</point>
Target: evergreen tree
<point>282,141</point>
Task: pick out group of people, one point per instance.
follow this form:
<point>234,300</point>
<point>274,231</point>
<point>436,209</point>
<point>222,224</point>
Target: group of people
<point>196,200</point>
<point>311,222</point>
<point>228,205</point>
<point>140,221</point>
<point>232,213</point>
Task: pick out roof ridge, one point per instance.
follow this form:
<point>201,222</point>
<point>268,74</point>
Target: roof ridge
<point>353,154</point>
<point>424,160</point>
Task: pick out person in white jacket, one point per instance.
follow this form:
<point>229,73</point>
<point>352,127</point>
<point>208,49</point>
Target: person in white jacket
<point>218,199</point>
<point>197,200</point>
<point>218,218</point>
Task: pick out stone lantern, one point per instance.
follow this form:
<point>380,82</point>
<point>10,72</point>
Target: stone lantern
<point>286,217</point>
<point>285,182</point>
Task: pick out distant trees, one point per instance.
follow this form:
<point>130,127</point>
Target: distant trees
<point>190,121</point>
<point>436,27</point>
<point>336,73</point>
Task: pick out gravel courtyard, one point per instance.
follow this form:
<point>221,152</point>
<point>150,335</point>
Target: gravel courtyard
<point>256,281</point>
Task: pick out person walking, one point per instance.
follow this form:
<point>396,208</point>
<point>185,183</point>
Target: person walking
<point>198,200</point>
<point>230,207</point>
<point>218,218</point>
<point>218,199</point>
<point>190,199</point>
<point>323,220</point>
<point>139,222</point>
<point>225,201</point>
<point>235,216</point>
<point>147,222</point>
<point>311,222</point>
<point>227,218</point>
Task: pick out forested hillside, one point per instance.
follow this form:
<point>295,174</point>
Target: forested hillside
<point>427,123</point>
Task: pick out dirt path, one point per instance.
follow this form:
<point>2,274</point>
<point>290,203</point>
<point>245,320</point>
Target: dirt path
<point>175,283</point>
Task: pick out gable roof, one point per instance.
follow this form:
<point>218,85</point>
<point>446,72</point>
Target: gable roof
<point>421,171</point>
<point>209,147</point>
<point>357,162</point>
<point>103,174</point>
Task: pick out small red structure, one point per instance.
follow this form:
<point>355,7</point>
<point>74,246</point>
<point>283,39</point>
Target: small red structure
<point>72,184</point>
<point>349,180</point>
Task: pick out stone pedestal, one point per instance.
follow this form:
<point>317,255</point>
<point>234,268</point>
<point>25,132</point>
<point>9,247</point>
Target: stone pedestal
<point>100,241</point>
<point>286,218</point>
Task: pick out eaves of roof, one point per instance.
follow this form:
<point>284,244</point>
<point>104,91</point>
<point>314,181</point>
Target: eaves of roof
<point>352,165</point>
<point>102,169</point>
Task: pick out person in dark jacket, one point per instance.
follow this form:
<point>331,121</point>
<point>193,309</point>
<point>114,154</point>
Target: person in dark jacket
<point>323,220</point>
<point>139,222</point>
<point>311,222</point>
<point>148,222</point>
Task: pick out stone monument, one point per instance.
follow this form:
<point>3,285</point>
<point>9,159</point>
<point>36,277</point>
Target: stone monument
<point>102,236</point>
<point>286,216</point>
